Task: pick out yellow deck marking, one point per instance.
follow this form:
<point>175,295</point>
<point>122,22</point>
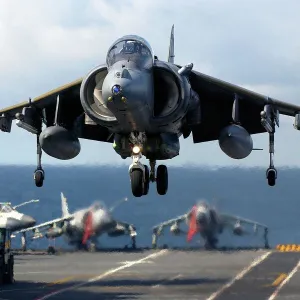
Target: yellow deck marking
<point>279,279</point>
<point>67,279</point>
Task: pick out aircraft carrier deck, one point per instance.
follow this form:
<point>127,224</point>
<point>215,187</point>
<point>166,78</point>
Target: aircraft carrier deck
<point>156,274</point>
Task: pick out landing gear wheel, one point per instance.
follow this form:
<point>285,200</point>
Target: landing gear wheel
<point>211,244</point>
<point>136,178</point>
<point>1,275</point>
<point>271,176</point>
<point>51,250</point>
<point>92,247</point>
<point>162,179</point>
<point>39,178</point>
<point>146,183</point>
<point>9,276</point>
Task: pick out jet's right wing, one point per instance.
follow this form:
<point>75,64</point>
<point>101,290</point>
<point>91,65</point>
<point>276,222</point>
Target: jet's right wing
<point>63,103</point>
<point>123,227</point>
<point>46,225</point>
<point>159,227</point>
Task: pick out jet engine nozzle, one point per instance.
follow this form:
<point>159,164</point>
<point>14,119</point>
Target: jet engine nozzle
<point>235,141</point>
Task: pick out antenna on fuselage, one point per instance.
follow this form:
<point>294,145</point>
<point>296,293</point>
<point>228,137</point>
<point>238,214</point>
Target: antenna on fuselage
<point>171,47</point>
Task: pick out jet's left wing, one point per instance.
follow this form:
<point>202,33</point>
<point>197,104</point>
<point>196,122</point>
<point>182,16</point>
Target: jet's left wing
<point>232,221</point>
<point>61,104</point>
<point>217,100</point>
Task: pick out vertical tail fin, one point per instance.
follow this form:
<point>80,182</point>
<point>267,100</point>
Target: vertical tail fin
<point>171,47</point>
<point>193,228</point>
<point>64,205</point>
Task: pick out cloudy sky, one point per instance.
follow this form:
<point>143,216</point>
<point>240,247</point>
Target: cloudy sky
<point>254,44</point>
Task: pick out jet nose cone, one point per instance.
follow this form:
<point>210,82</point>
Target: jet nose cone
<point>27,221</point>
<point>201,218</point>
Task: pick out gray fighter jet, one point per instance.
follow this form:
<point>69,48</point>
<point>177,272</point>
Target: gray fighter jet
<point>143,105</point>
<point>82,226</point>
<point>11,219</point>
<point>206,221</point>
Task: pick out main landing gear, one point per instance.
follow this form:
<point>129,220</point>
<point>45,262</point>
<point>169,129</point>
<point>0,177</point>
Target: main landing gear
<point>39,174</point>
<point>140,176</point>
<point>31,119</point>
<point>270,118</point>
<point>271,173</point>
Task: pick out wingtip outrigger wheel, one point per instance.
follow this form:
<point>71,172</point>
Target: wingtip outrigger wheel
<point>39,177</point>
<point>39,174</point>
<point>269,119</point>
<point>271,176</point>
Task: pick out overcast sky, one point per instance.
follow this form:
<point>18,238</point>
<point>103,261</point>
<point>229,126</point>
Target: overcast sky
<point>255,44</point>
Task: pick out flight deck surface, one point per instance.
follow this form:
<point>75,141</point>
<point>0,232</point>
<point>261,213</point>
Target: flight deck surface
<point>156,274</point>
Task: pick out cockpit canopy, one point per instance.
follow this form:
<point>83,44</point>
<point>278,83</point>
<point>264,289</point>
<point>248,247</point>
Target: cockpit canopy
<point>5,208</point>
<point>131,48</point>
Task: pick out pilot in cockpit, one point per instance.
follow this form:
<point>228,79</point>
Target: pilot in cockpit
<point>130,47</point>
<point>132,50</point>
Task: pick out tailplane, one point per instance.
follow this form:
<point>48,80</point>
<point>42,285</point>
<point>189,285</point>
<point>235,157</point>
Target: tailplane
<point>171,47</point>
<point>64,206</point>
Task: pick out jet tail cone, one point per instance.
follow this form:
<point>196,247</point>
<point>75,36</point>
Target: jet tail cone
<point>193,228</point>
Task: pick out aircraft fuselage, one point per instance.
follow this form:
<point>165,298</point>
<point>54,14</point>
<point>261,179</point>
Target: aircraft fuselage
<point>142,100</point>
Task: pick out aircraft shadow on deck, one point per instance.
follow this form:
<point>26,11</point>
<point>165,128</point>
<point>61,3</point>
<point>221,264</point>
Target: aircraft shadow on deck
<point>30,290</point>
<point>135,250</point>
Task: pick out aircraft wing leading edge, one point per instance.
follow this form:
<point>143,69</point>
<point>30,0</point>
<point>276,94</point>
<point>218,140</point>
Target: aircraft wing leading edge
<point>46,224</point>
<point>217,98</point>
<point>229,220</point>
<point>70,112</point>
<point>177,220</point>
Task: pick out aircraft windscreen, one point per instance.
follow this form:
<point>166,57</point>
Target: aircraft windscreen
<point>5,208</point>
<point>130,50</point>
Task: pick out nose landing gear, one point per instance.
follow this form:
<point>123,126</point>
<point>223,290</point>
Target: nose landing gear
<point>140,177</point>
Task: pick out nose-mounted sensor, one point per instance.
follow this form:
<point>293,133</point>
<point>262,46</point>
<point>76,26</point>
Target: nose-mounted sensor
<point>116,89</point>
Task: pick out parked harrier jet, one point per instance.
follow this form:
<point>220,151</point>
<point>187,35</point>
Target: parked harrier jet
<point>81,226</point>
<point>209,223</point>
<point>14,220</point>
<point>142,105</point>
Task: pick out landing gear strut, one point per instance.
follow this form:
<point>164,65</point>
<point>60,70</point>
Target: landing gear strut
<point>271,171</point>
<point>39,174</point>
<point>270,118</point>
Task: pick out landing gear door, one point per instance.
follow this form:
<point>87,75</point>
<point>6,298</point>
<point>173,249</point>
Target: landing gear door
<point>32,117</point>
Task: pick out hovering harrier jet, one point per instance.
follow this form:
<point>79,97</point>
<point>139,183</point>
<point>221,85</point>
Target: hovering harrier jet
<point>142,105</point>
